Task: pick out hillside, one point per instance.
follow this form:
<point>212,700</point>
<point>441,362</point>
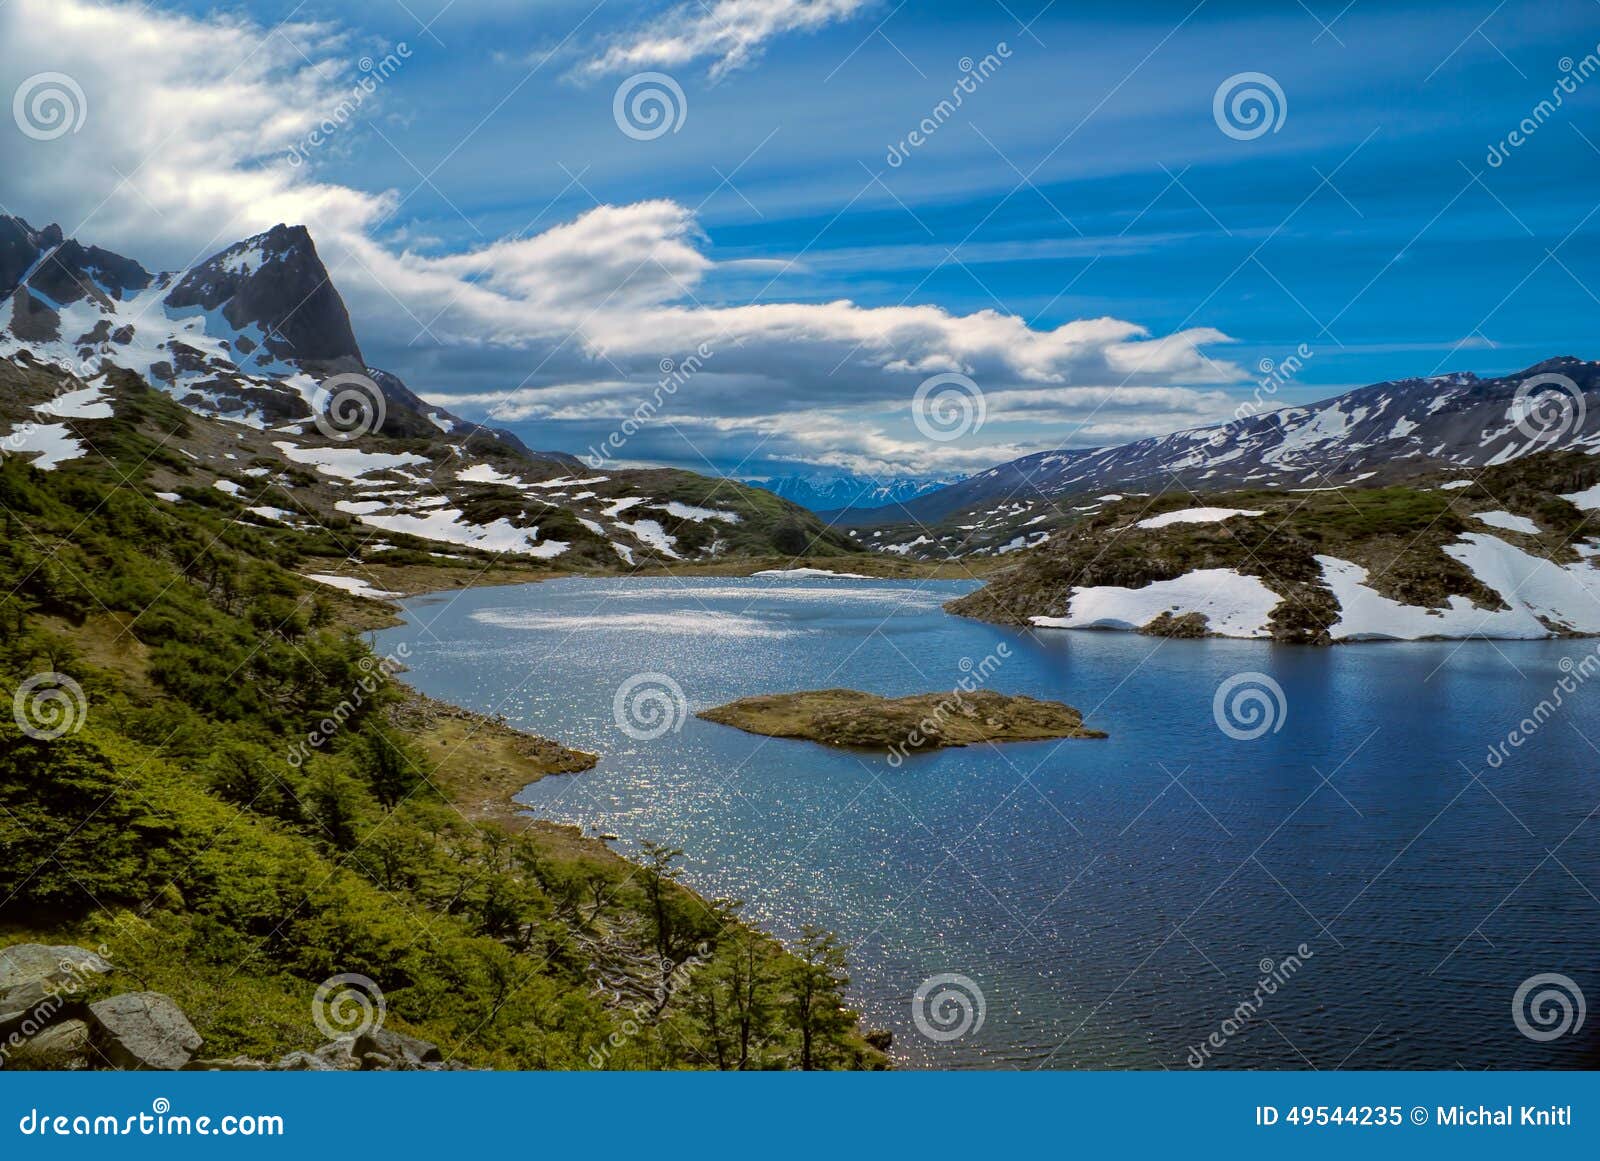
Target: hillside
<point>1382,434</point>
<point>212,781</point>
<point>278,420</point>
<point>1509,551</point>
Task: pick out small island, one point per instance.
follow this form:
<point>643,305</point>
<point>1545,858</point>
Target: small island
<point>850,718</point>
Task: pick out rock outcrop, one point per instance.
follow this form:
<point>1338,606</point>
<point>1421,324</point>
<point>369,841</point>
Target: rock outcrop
<point>142,1032</point>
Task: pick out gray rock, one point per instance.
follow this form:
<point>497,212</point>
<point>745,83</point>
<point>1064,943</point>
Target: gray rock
<point>25,964</point>
<point>38,983</point>
<point>62,1047</point>
<point>301,1062</point>
<point>382,1049</point>
<point>142,1031</point>
<point>339,1054</point>
<point>232,1064</point>
<point>334,1056</point>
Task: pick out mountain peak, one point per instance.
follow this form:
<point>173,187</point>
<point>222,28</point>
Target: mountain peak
<point>20,247</point>
<point>1560,364</point>
<point>276,281</point>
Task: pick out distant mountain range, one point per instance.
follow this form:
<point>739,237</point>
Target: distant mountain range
<point>835,495</point>
<point>297,430</point>
<point>1372,435</point>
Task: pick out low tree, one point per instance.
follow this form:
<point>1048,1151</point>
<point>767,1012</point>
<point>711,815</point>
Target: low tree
<point>817,980</point>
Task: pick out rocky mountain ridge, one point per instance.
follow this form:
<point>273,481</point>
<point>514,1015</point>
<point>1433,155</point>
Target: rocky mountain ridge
<point>294,428</point>
<point>1383,433</point>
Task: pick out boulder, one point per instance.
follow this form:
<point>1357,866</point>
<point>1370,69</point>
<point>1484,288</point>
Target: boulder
<point>381,1049</point>
<point>38,981</point>
<point>142,1031</point>
<point>28,964</point>
<point>299,1061</point>
<point>334,1056</point>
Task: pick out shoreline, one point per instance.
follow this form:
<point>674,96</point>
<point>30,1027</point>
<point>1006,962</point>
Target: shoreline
<point>481,762</point>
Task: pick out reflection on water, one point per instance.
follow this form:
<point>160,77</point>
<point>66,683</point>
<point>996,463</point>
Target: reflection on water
<point>1114,901</point>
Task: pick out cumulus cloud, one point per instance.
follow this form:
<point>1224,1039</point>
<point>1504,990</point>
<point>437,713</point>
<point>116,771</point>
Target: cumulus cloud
<point>732,31</point>
<point>186,148</point>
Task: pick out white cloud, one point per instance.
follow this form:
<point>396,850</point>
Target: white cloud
<point>184,152</point>
<point>732,31</point>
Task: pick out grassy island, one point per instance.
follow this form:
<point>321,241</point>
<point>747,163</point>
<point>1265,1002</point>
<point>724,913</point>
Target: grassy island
<point>850,718</point>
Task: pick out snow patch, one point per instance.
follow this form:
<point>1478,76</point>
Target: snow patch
<point>85,403</point>
<point>1588,499</point>
<point>1235,605</point>
<point>53,443</point>
<point>356,586</point>
<point>1194,516</point>
<point>689,512</point>
<point>347,463</point>
<point>799,573</point>
<point>1509,521</point>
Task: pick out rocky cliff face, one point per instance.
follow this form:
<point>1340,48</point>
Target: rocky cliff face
<point>275,283</point>
<point>20,248</point>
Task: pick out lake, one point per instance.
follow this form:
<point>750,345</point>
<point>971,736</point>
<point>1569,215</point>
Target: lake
<point>1333,876</point>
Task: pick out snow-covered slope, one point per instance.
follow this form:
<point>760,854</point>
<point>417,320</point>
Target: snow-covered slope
<point>1541,598</point>
<point>298,430</point>
<point>1515,554</point>
<point>1373,435</point>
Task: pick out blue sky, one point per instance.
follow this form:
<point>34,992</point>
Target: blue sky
<point>1086,177</point>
